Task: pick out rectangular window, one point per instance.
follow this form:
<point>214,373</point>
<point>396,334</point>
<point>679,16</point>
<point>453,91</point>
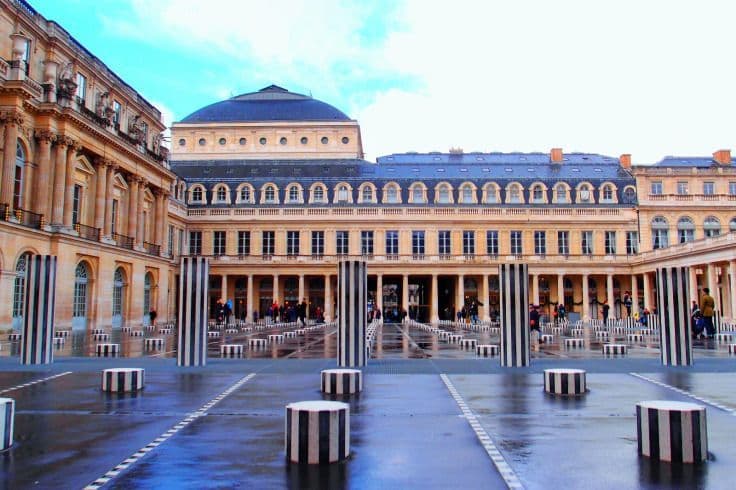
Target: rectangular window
<point>181,242</point>
<point>732,188</point>
<point>170,247</point>
<point>586,242</point>
<point>682,188</point>
<point>468,242</point>
<point>417,244</point>
<point>81,88</point>
<point>318,243</point>
<point>709,188</point>
<point>444,242</point>
<point>218,243</point>
<point>632,242</point>
<point>540,243</point>
<point>268,243</point>
<point>195,243</point>
<point>516,244</point>
<point>76,203</point>
<point>341,243</point>
<point>392,242</point>
<point>656,187</point>
<point>610,243</point>
<point>117,109</point>
<point>18,186</point>
<point>366,243</point>
<point>563,242</point>
<point>492,242</point>
<point>243,243</point>
<point>292,243</point>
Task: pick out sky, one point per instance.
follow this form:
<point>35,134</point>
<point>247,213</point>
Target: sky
<point>650,78</point>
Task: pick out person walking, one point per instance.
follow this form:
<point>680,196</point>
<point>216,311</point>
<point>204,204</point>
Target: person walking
<point>627,303</point>
<point>606,308</point>
<point>302,311</point>
<point>534,322</point>
<point>707,308</point>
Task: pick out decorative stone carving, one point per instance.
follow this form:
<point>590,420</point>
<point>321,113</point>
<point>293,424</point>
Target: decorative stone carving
<point>12,117</point>
<point>45,135</point>
<point>135,128</point>
<point>67,85</point>
<point>156,143</point>
<point>103,107</point>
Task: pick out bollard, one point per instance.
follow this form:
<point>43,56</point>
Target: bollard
<point>564,381</point>
<point>672,431</point>
<point>342,381</point>
<point>120,380</point>
<point>317,432</point>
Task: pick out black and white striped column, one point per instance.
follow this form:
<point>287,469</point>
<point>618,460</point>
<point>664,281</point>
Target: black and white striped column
<point>38,322</point>
<point>193,282</point>
<point>7,421</point>
<point>672,431</point>
<point>107,350</point>
<point>514,289</point>
<point>317,432</point>
<point>564,381</point>
<point>487,350</point>
<point>674,316</point>
<point>231,350</point>
<point>352,291</point>
<point>342,381</point>
<point>120,380</point>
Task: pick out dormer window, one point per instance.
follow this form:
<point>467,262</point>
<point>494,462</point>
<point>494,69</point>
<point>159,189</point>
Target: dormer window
<point>221,194</point>
<point>538,194</point>
<point>444,195</point>
<point>319,194</point>
<point>392,195</point>
<point>467,194</point>
<point>270,194</point>
<point>367,194</point>
<point>342,193</point>
<point>197,194</point>
<point>514,194</point>
<point>561,193</point>
<point>294,194</point>
<point>608,192</point>
<point>585,194</point>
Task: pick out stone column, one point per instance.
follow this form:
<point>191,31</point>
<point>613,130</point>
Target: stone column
<point>434,316</point>
<point>379,293</point>
<point>192,339</point>
<point>249,300</point>
<point>634,294</point>
<point>713,286</point>
<point>29,176</point>
<point>43,190</point>
<point>485,309</point>
<point>141,230</point>
<point>609,297</point>
<point>732,275</point>
<point>62,145</point>
<point>301,288</point>
<point>647,293</point>
<point>460,294</point>
<point>560,289</point>
<point>405,293</point>
<point>12,120</point>
<point>100,189</point>
<point>158,231</point>
<point>71,160</point>
<point>674,316</point>
<point>223,291</point>
<point>586,298</point>
<point>276,295</point>
<point>109,195</point>
<point>693,281</point>
<point>535,289</point>
<point>352,297</point>
<point>513,280</point>
<point>38,321</point>
<point>328,298</point>
<point>133,207</point>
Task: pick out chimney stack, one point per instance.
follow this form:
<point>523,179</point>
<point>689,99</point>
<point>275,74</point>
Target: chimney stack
<point>555,155</point>
<point>722,157</point>
<point>625,160</point>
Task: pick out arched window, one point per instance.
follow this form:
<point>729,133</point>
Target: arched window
<point>467,194</point>
<point>318,195</point>
<point>342,193</point>
<point>270,194</point>
<point>417,194</point>
<point>732,225</point>
<point>584,194</point>
<point>221,194</point>
<point>491,194</point>
<point>443,196</point>
<point>711,226</point>
<point>608,193</point>
<point>19,287</point>
<point>538,194</point>
<point>79,303</point>
<point>514,194</point>
<point>685,230</point>
<point>147,283</point>
<point>294,194</point>
<point>118,283</point>
<point>660,233</point>
<point>245,195</point>
<point>20,161</point>
<point>197,194</point>
<point>561,193</point>
<point>629,195</point>
<point>392,194</point>
<point>367,193</point>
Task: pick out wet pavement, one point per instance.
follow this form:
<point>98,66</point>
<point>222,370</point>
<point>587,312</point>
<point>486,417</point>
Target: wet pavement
<point>408,428</point>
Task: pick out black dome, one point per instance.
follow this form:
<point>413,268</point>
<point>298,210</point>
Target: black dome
<point>272,103</point>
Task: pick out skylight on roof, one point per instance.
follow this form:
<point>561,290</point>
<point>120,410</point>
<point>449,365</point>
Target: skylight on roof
<point>575,169</point>
<point>530,169</point>
<point>480,159</point>
<point>440,169</point>
<point>597,170</point>
<point>509,169</point>
<point>486,169</point>
<point>463,169</point>
<point>437,159</point>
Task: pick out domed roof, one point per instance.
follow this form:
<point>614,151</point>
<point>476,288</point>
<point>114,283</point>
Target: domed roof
<point>272,103</point>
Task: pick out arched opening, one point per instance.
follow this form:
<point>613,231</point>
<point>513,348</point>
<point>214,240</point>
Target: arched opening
<point>147,297</point>
<point>660,232</point>
<point>711,227</point>
<point>19,288</point>
<point>20,161</point>
<point>118,297</point>
<point>80,299</point>
<point>685,230</point>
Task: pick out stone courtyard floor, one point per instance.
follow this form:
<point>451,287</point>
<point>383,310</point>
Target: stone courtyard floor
<point>408,429</point>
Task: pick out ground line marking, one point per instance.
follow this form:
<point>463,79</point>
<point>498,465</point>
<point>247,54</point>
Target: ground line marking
<point>506,472</point>
<point>686,393</point>
<point>136,456</point>
<point>31,383</point>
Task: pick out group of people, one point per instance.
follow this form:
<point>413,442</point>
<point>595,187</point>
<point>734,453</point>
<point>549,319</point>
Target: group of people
<point>701,316</point>
<point>469,312</point>
<point>288,312</point>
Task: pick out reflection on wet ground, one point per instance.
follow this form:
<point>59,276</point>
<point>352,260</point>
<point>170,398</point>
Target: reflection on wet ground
<point>407,430</point>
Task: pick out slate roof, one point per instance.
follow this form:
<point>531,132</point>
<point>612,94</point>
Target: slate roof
<point>689,162</point>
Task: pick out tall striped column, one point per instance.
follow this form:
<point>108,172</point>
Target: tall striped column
<point>514,288</point>
<point>38,323</point>
<point>674,316</point>
<point>352,297</point>
<point>193,282</point>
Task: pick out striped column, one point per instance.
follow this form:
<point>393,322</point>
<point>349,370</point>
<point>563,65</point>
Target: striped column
<point>120,380</point>
<point>352,291</point>
<point>317,432</point>
<point>487,350</point>
<point>672,431</point>
<point>193,282</point>
<point>7,419</point>
<point>38,322</point>
<point>564,381</point>
<point>674,316</point>
<point>514,288</point>
<point>342,381</point>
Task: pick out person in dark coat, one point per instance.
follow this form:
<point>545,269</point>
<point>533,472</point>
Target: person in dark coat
<point>301,311</point>
<point>534,322</point>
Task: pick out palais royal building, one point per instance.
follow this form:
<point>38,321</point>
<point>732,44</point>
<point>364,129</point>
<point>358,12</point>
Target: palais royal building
<point>273,187</point>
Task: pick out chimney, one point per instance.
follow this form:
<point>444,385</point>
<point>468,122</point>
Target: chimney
<point>723,157</point>
<point>625,160</point>
<point>555,155</point>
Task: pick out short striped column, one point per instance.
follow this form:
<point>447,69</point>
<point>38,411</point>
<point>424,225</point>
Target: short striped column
<point>61,333</point>
<point>352,298</point>
<point>514,296</point>
<point>487,350</point>
<point>317,432</point>
<point>7,422</point>
<point>672,431</point>
<point>213,334</point>
<point>154,343</point>
<point>133,333</point>
<point>276,338</point>
<point>290,335</point>
<point>577,332</point>
<point>635,337</point>
<point>231,331</point>
<point>96,331</point>
<point>732,348</point>
<point>231,350</point>
<point>38,321</point>
<point>193,283</point>
<point>547,338</point>
<point>120,380</point>
<point>454,338</point>
<point>601,334</point>
<point>255,343</point>
<point>301,331</point>
<point>564,381</point>
<point>59,341</point>
<point>574,343</point>
<point>674,316</point>
<point>614,349</point>
<point>15,336</point>
<point>101,336</point>
<point>126,329</point>
<point>342,381</point>
<point>107,350</point>
<point>724,337</point>
<point>164,331</point>
<point>468,343</point>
